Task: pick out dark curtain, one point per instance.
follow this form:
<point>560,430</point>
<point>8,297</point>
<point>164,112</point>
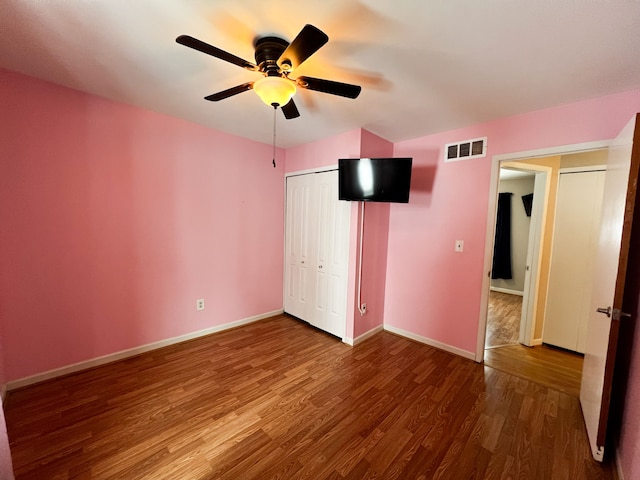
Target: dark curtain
<point>502,245</point>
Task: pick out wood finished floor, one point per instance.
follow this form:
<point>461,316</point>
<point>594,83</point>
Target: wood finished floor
<point>278,399</point>
<point>548,366</point>
<point>541,364</point>
<point>503,319</point>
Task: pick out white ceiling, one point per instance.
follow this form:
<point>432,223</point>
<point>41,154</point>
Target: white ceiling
<point>425,65</point>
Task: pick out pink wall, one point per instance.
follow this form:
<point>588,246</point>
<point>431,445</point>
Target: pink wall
<point>375,245</point>
<point>116,219</point>
<point>431,290</point>
<point>324,153</point>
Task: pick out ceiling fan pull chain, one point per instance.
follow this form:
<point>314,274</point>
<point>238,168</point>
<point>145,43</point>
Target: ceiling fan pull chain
<point>275,107</point>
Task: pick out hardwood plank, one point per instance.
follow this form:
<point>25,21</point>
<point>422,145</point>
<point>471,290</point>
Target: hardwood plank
<point>548,366</point>
<point>503,319</point>
<point>278,399</point>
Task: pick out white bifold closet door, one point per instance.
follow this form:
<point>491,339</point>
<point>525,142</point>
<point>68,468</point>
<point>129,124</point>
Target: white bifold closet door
<point>575,241</point>
<point>317,251</point>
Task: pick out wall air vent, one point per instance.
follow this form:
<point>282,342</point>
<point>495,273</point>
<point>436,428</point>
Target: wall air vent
<point>466,150</point>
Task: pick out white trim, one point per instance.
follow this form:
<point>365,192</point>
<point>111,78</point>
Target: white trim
<point>507,290</point>
<point>488,258</point>
<point>310,171</point>
<point>112,357</point>
<point>431,343</point>
<point>366,335</point>
<point>552,151</point>
<point>536,342</point>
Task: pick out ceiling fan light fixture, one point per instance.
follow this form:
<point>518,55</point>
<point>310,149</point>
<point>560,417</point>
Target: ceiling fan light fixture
<point>274,91</point>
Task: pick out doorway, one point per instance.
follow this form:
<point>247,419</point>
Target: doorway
<point>510,256</point>
<point>537,362</point>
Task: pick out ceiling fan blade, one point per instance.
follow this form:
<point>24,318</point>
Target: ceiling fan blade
<point>230,92</point>
<point>203,47</point>
<point>290,110</point>
<point>306,43</point>
<point>329,86</point>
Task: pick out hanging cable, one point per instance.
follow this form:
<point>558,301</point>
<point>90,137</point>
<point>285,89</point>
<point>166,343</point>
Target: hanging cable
<point>361,306</point>
<point>275,107</point>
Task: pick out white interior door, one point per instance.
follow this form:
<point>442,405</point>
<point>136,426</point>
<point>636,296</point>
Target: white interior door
<point>608,284</point>
<point>298,247</point>
<point>575,237</point>
<point>529,298</point>
<point>332,255</point>
<point>317,251</point>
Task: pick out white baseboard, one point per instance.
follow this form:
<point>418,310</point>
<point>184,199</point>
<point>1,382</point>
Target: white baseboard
<point>536,341</point>
<point>506,290</point>
<point>112,357</point>
<point>431,343</point>
<point>361,338</point>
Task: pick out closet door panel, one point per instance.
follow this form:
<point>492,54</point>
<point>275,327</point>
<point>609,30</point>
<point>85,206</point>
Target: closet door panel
<point>593,228</point>
<point>323,222</point>
<point>572,254</point>
<point>319,318</point>
<point>332,254</point>
<point>297,246</point>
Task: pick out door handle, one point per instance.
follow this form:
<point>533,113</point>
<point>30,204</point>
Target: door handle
<point>606,311</point>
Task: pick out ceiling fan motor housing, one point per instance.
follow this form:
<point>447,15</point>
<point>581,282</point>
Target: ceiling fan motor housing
<point>268,51</point>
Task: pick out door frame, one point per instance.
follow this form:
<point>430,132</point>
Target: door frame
<point>284,223</point>
<point>542,187</point>
<point>496,160</point>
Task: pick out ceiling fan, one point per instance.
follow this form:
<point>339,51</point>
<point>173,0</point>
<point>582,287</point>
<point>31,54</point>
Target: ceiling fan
<point>275,60</point>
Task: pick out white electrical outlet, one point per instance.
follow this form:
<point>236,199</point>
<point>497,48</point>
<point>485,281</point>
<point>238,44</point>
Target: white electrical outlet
<point>200,304</point>
<point>459,245</point>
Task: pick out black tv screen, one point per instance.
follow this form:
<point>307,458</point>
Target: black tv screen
<point>527,201</point>
<point>374,179</point>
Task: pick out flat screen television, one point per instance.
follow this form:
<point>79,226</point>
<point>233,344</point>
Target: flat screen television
<point>374,179</point>
<point>527,201</point>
